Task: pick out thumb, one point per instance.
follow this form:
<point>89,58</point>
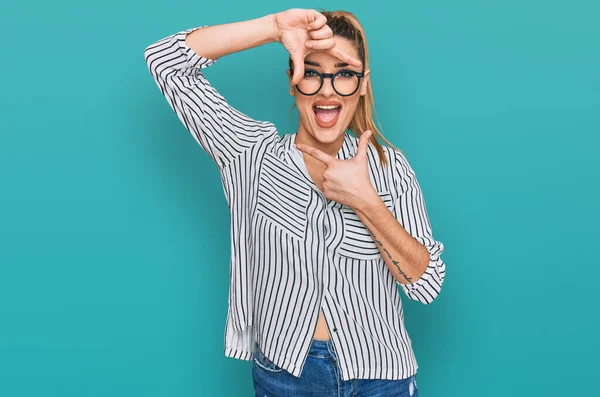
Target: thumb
<point>363,144</point>
<point>298,60</point>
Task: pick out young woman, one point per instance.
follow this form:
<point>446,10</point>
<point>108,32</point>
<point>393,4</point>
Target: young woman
<point>324,224</point>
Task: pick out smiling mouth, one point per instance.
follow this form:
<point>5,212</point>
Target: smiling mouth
<point>327,116</point>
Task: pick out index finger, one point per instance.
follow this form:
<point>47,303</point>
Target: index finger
<point>316,153</point>
<point>345,57</point>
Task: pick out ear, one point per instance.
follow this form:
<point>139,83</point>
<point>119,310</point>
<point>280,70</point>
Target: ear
<point>364,82</point>
<point>289,74</point>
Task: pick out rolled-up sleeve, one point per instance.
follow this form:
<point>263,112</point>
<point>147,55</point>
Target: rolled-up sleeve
<point>222,131</point>
<point>411,212</point>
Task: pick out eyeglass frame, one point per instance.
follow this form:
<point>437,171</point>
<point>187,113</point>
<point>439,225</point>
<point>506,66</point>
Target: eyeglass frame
<point>360,75</point>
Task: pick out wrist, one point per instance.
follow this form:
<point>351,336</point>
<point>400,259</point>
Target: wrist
<point>272,27</point>
<point>368,201</point>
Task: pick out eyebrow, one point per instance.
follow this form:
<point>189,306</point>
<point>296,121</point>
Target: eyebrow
<point>337,65</point>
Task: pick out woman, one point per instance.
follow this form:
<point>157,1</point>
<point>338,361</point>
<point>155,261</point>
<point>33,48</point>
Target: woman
<point>324,225</point>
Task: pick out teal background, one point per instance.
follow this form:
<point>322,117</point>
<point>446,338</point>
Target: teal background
<point>114,228</point>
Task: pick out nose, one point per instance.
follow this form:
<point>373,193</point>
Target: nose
<point>327,89</point>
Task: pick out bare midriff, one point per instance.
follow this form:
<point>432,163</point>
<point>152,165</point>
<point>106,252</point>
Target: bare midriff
<point>321,331</point>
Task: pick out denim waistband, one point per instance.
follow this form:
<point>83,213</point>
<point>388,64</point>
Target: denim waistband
<point>322,348</point>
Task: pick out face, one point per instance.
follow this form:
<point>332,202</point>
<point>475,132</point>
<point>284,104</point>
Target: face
<point>316,131</point>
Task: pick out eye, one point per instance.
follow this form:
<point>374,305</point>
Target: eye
<point>310,73</point>
<point>345,73</point>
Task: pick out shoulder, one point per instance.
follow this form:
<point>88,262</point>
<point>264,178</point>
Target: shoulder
<point>400,162</point>
<point>403,173</point>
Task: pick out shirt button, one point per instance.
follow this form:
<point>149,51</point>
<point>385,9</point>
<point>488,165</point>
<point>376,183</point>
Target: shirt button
<point>335,330</point>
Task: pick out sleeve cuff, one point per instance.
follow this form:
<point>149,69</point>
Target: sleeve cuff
<point>425,277</point>
<point>193,58</point>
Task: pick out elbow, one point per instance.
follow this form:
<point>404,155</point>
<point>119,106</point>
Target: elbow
<point>147,58</point>
<point>154,56</point>
<point>424,296</point>
<point>429,295</point>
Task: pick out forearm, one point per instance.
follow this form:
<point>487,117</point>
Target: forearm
<point>216,41</point>
<point>406,258</point>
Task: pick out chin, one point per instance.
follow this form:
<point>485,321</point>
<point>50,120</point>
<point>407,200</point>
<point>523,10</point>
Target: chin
<point>328,135</point>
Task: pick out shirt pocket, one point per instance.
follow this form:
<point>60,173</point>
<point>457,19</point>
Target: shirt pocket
<point>357,242</point>
<point>282,197</point>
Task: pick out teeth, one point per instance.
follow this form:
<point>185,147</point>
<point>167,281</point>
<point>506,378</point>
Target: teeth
<point>327,107</point>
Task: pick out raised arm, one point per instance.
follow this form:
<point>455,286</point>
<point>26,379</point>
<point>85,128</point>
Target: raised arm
<point>175,63</point>
<point>219,40</point>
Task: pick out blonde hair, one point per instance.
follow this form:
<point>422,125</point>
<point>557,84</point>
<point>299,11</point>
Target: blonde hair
<point>345,24</point>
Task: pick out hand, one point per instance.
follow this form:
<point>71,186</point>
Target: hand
<point>345,181</point>
<point>305,31</point>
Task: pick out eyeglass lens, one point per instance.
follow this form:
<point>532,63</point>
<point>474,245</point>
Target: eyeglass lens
<point>344,83</point>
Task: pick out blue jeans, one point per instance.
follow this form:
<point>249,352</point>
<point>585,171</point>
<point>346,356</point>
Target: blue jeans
<point>321,378</point>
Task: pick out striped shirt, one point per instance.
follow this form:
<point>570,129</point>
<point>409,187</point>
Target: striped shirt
<point>293,251</point>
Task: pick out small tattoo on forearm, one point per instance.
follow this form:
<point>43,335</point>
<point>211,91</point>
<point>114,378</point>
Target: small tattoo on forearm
<point>372,235</point>
<point>396,263</point>
<point>401,272</point>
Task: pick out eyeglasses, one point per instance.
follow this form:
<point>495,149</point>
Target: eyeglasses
<point>344,82</point>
